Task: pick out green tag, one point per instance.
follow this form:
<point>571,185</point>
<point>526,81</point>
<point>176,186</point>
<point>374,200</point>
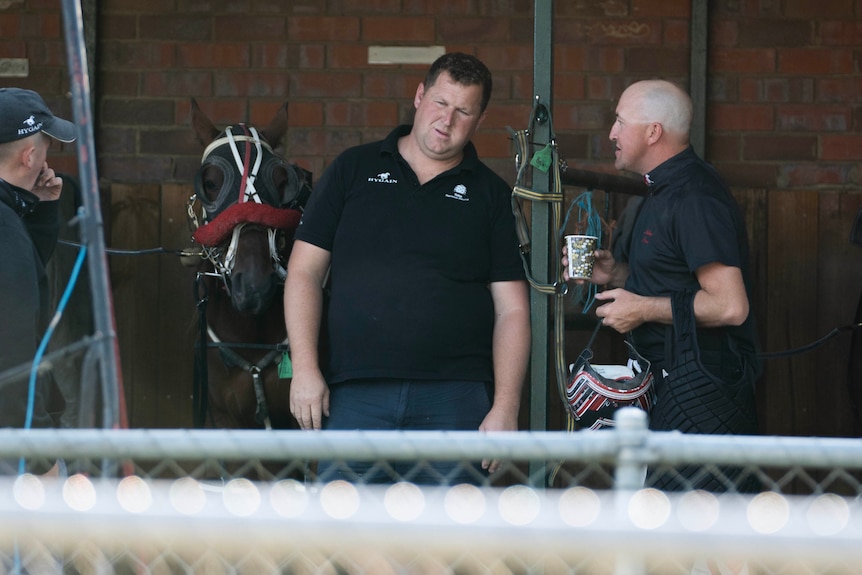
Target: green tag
<point>285,368</point>
<point>542,159</point>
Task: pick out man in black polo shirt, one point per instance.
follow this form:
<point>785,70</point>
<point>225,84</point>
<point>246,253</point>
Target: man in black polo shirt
<point>688,240</point>
<point>428,314</point>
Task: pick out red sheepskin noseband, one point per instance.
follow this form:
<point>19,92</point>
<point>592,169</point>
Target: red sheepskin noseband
<point>218,230</point>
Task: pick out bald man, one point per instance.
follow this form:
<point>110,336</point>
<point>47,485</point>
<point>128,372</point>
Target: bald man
<point>688,254</point>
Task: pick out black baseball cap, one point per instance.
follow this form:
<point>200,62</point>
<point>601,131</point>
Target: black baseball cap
<point>24,113</point>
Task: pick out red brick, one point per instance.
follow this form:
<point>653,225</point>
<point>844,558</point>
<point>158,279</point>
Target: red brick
<point>115,26</point>
<point>141,55</point>
<point>48,54</point>
<point>274,55</point>
<point>492,144</point>
<point>601,87</point>
<point>176,142</point>
<point>841,147</point>
<point>818,174</point>
<point>13,48</point>
<point>676,33</point>
<point>119,83</point>
<point>10,25</point>
<point>581,58</point>
<point>742,61</point>
<point>747,174</point>
<point>235,28</point>
<point>661,8</point>
<point>841,33</point>
<point>819,9</point>
<point>174,28</point>
<point>349,56</point>
<point>302,113</point>
<point>749,118</point>
<point>360,114</point>
<point>213,56</point>
<point>506,57</point>
<point>385,86</point>
<point>478,30</point>
<point>397,29</point>
<point>723,33</point>
<point>809,61</point>
<point>322,29</point>
<point>137,112</point>
<point>262,112</point>
<point>774,32</point>
<point>322,85</point>
<point>779,147</point>
<point>846,89</point>
<point>180,83</point>
<point>657,61</point>
<point>776,90</point>
<point>604,32</point>
<point>582,116</point>
<point>436,7</point>
<point>253,84</point>
<point>136,169</point>
<point>500,115</point>
<point>723,148</point>
<point>813,118</point>
<point>220,111</point>
<point>364,7</point>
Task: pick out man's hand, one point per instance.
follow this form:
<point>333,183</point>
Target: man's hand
<point>48,185</point>
<point>309,400</point>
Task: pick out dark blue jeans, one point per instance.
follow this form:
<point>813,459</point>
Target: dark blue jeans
<point>397,404</point>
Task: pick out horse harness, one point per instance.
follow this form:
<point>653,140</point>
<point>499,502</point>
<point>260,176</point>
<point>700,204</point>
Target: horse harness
<point>261,203</point>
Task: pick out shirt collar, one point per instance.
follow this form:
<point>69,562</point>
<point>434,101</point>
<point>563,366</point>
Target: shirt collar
<point>665,171</point>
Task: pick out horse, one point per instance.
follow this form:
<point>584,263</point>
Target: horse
<point>245,209</point>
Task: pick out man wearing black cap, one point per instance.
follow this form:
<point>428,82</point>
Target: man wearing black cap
<point>29,227</point>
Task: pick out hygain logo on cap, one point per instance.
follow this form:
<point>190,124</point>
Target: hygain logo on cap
<point>30,126</point>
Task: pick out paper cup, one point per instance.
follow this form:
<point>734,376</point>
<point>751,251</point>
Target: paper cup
<point>581,256</point>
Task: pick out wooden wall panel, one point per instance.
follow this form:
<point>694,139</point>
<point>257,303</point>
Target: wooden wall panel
<point>177,327</point>
<point>839,282</point>
<point>791,311</point>
<point>135,225</point>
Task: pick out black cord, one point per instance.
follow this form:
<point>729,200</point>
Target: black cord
<point>810,346</point>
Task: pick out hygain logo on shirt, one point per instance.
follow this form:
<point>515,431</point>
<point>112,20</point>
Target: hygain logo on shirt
<point>459,192</point>
<point>383,178</point>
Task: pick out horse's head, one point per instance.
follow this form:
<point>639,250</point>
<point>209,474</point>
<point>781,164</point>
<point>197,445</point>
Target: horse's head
<point>251,201</point>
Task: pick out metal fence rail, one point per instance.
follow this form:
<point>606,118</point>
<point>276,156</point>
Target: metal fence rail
<point>183,501</point>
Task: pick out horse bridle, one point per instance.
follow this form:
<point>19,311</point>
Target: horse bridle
<point>223,257</point>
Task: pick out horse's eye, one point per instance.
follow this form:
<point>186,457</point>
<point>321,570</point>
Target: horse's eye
<point>212,179</point>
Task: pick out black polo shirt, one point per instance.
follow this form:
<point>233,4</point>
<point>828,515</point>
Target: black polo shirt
<point>411,263</point>
<point>689,219</point>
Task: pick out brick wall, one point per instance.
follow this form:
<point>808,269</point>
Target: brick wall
<point>784,87</point>
<point>784,114</point>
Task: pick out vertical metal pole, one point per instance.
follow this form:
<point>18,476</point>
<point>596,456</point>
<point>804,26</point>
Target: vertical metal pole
<point>632,429</point>
<point>91,223</point>
<point>699,35</point>
<point>540,226</point>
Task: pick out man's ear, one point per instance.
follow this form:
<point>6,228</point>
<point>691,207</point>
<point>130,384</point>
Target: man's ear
<point>420,93</point>
<point>654,132</point>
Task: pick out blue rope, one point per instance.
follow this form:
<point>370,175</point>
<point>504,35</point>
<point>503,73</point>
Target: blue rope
<point>40,352</point>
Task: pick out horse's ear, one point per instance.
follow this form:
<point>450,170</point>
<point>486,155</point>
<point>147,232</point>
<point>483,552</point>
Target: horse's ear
<point>204,128</point>
<point>274,133</point>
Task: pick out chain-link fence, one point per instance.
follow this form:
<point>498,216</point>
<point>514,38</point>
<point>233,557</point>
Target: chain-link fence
<point>208,501</point>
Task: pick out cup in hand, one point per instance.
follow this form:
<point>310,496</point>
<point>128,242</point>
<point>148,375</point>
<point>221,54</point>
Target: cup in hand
<point>581,256</point>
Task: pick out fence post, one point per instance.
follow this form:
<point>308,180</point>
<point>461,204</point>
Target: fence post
<point>632,430</point>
